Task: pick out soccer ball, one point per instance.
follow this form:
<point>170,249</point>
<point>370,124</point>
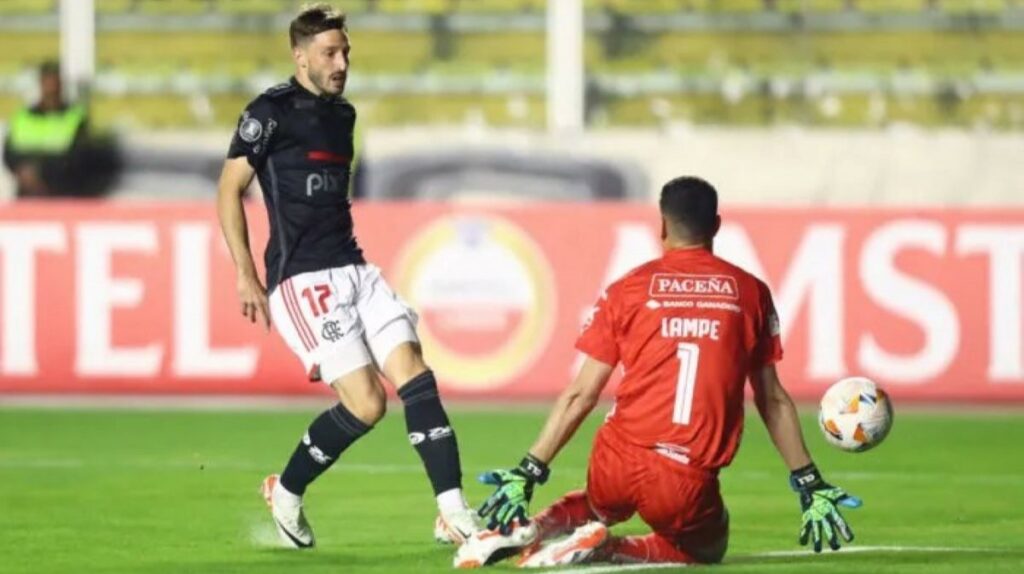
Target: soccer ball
<point>855,414</point>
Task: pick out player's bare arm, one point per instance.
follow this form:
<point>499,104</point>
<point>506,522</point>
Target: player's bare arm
<point>819,500</point>
<point>515,486</point>
<point>780,416</point>
<point>234,180</point>
<point>572,406</point>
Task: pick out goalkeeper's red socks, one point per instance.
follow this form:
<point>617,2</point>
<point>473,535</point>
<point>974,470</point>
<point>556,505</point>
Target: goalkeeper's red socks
<point>648,549</point>
<point>572,511</point>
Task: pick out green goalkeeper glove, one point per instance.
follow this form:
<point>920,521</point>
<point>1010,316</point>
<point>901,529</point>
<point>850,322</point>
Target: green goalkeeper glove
<point>820,502</point>
<point>511,498</point>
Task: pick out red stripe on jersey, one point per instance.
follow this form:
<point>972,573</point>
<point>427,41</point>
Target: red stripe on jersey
<point>329,157</point>
<point>295,313</point>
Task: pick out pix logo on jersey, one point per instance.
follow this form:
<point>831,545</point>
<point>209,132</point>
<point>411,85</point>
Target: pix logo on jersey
<point>686,286</point>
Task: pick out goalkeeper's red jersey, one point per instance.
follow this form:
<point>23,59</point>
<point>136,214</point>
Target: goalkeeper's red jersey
<point>688,328</point>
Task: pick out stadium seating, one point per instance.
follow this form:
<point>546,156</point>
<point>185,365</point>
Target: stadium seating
<point>816,6</point>
<point>28,6</point>
<point>171,78</point>
<point>1000,111</point>
<point>892,6</point>
<point>973,6</point>
<point>412,6</point>
<point>26,50</point>
<point>176,7</point>
<point>104,7</point>
<point>407,7</point>
<point>254,7</point>
<point>501,6</point>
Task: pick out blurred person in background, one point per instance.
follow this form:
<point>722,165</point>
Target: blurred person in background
<point>44,144</point>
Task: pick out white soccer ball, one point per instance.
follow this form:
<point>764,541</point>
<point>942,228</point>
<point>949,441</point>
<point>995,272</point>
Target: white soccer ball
<point>855,414</point>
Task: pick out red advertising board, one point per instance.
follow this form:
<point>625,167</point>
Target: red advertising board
<point>140,297</point>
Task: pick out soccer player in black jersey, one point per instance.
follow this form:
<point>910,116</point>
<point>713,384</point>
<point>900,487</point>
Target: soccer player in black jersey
<point>333,309</point>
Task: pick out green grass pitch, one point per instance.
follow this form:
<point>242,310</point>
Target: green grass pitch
<point>150,492</point>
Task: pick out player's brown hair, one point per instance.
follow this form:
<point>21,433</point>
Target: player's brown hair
<point>314,19</point>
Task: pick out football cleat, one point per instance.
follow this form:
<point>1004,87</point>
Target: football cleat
<point>286,509</point>
<point>486,547</point>
<point>441,535</point>
<point>578,548</point>
<point>456,527</point>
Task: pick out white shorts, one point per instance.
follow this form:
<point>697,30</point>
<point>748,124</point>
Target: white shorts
<point>340,319</point>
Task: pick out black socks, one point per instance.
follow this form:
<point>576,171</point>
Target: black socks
<point>430,432</point>
<point>329,435</point>
<point>337,428</point>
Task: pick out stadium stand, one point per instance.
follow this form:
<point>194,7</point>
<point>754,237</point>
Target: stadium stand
<point>177,7</point>
<point>104,7</point>
<point>253,6</point>
<point>28,6</point>
<point>521,6</point>
<point>958,62</point>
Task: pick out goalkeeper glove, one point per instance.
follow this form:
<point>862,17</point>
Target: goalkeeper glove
<point>820,502</point>
<point>513,493</point>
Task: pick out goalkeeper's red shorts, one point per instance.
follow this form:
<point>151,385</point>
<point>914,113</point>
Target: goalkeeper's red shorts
<point>680,503</point>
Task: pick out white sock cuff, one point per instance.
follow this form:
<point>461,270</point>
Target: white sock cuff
<point>281,492</point>
<point>451,501</point>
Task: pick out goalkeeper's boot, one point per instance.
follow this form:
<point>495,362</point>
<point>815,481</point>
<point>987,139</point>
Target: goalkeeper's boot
<point>487,547</point>
<point>458,525</point>
<point>286,508</point>
<point>576,549</point>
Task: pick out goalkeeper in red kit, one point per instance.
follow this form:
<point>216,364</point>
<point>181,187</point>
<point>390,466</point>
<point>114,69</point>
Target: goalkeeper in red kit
<point>690,329</point>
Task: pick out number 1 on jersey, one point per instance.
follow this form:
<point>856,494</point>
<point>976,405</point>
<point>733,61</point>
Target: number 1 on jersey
<point>688,355</point>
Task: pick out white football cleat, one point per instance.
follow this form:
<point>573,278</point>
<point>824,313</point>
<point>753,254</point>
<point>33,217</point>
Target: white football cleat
<point>441,535</point>
<point>489,546</point>
<point>575,549</point>
<point>457,526</point>
<point>286,508</point>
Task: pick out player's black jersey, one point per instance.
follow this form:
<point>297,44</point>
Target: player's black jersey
<point>300,145</point>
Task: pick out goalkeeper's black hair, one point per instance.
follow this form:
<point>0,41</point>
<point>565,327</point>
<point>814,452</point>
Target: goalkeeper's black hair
<point>690,206</point>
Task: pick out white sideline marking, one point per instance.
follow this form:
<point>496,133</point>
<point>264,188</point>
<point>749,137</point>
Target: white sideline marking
<point>16,462</point>
<point>780,554</point>
<point>623,568</point>
<point>239,403</point>
<point>862,549</point>
<point>212,464</point>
